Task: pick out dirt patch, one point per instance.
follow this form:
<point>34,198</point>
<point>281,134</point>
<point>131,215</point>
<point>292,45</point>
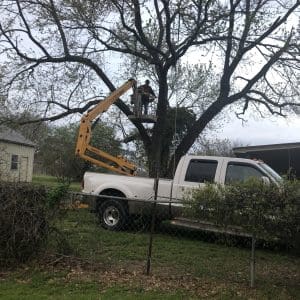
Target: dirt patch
<point>71,269</point>
<point>133,276</point>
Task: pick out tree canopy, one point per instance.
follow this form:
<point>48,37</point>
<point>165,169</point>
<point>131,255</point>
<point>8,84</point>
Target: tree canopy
<point>56,153</point>
<point>56,55</point>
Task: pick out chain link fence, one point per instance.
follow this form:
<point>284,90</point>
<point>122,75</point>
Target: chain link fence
<point>159,244</point>
<point>143,236</point>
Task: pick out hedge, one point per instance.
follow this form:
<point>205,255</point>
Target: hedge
<point>26,213</point>
<point>266,211</point>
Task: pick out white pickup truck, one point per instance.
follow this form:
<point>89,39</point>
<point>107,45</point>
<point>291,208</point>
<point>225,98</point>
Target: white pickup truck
<point>118,198</point>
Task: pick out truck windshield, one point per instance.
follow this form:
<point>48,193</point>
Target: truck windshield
<point>271,172</point>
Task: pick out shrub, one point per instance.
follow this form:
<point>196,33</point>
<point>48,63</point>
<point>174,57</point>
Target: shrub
<point>23,221</point>
<point>26,214</point>
<point>266,211</point>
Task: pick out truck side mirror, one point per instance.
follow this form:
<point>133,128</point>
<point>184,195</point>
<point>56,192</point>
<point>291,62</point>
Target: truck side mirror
<point>266,180</point>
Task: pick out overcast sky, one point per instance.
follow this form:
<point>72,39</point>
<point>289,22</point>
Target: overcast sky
<point>262,131</point>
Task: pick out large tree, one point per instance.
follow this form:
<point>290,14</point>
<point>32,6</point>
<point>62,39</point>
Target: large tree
<point>252,47</point>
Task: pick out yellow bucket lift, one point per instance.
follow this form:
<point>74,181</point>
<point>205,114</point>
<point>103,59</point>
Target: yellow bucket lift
<point>96,156</point>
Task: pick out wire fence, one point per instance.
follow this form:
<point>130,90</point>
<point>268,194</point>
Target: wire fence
<point>144,235</point>
<point>153,243</point>
<point>211,244</point>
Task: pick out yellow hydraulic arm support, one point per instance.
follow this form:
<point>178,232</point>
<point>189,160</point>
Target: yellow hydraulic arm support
<point>99,157</point>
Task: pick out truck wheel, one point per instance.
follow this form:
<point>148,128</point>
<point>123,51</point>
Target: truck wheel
<point>113,215</point>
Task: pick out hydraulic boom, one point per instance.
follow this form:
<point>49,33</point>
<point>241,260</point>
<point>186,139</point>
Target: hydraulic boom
<point>95,155</point>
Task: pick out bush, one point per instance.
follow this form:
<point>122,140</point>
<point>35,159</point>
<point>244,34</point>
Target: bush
<point>266,211</point>
<point>25,217</point>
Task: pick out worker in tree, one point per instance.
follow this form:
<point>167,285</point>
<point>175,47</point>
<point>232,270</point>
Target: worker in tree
<point>147,95</point>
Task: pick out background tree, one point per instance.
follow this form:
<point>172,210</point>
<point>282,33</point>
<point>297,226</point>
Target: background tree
<point>35,132</point>
<point>217,147</point>
<point>56,153</point>
<point>250,46</point>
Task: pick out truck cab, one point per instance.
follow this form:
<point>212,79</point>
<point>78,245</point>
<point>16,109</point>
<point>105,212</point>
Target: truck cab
<point>196,171</point>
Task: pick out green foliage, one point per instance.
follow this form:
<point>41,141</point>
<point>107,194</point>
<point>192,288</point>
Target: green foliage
<point>267,211</point>
<point>23,221</point>
<point>56,194</point>
<point>26,218</point>
<point>57,209</point>
<point>217,147</point>
<point>179,121</point>
<point>50,182</point>
<point>57,152</point>
<point>103,260</point>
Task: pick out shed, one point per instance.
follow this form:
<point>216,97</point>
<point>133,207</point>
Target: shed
<point>283,158</point>
<point>16,156</point>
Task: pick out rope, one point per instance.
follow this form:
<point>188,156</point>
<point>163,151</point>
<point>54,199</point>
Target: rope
<point>136,60</point>
<point>122,127</point>
<point>176,108</point>
<point>175,126</point>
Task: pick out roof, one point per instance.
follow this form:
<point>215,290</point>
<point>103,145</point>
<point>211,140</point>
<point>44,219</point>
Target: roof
<point>12,136</point>
<point>283,158</point>
<point>271,147</point>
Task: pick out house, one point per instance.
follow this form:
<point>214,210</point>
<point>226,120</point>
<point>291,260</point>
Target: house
<point>16,156</point>
<point>283,158</point>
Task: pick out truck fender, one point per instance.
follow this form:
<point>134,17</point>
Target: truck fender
<point>118,187</point>
<point>133,206</point>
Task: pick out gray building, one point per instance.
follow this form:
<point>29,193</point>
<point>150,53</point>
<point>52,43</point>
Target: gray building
<point>283,158</point>
<point>16,156</point>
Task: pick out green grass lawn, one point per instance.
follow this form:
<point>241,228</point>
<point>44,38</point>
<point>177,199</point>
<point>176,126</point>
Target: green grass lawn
<point>42,288</point>
<point>51,181</point>
<point>111,265</point>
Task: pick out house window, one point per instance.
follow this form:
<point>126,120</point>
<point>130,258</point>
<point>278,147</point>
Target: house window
<point>14,162</point>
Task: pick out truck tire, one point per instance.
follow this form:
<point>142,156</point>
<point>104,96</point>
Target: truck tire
<point>113,215</point>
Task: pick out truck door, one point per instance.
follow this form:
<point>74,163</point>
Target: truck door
<point>240,172</point>
<point>197,174</point>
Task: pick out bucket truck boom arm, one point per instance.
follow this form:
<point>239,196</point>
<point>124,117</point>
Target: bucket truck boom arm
<point>95,155</point>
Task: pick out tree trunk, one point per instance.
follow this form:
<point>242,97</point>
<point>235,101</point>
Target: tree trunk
<point>193,134</point>
<point>155,153</point>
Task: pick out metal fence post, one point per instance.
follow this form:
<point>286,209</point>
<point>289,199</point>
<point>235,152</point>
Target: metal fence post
<point>153,217</point>
<point>252,262</point>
